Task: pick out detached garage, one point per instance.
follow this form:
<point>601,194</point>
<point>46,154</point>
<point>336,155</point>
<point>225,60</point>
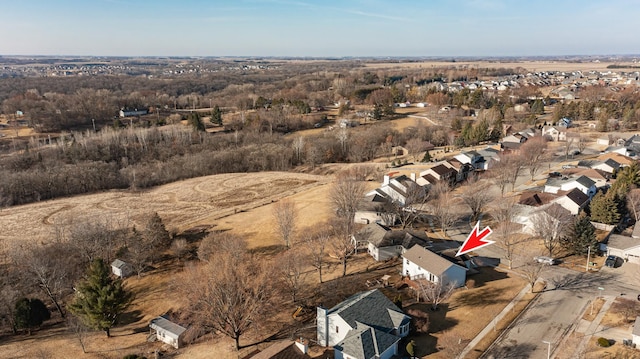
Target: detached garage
<point>627,248</point>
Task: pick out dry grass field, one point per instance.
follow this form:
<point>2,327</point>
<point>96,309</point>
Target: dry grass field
<point>529,65</point>
<point>182,205</point>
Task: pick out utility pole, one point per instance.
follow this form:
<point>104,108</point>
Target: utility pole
<point>588,258</point>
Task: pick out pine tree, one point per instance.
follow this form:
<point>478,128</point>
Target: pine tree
<point>604,208</point>
<point>30,313</point>
<point>156,235</point>
<point>582,235</point>
<point>196,122</point>
<point>216,116</point>
<point>100,299</point>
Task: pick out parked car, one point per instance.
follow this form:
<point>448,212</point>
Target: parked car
<point>566,167</point>
<point>611,261</point>
<point>546,260</point>
<point>555,174</point>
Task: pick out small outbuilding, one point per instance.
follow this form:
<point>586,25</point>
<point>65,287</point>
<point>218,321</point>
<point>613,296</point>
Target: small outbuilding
<point>167,331</point>
<point>121,268</point>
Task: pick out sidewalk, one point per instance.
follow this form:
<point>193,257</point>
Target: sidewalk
<point>590,328</point>
<point>491,325</point>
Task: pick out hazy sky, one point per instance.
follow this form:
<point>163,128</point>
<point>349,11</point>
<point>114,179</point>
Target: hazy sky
<point>319,27</point>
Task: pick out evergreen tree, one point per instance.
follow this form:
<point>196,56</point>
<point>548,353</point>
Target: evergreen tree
<point>100,299</point>
<point>427,157</point>
<point>196,122</point>
<point>216,116</point>
<point>581,236</point>
<point>156,236</point>
<point>537,107</point>
<point>604,208</point>
<point>30,313</point>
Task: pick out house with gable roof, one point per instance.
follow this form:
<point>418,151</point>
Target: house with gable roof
<point>367,322</point>
<point>583,183</point>
<point>625,247</point>
<point>573,201</point>
<point>421,263</point>
<point>383,243</point>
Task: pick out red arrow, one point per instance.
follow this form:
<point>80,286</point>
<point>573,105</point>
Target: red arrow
<point>475,240</point>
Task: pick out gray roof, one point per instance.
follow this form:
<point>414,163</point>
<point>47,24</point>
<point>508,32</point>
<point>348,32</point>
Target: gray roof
<point>366,342</point>
<point>585,181</point>
<point>118,264</point>
<point>618,241</point>
<point>372,308</point>
<point>170,328</point>
<point>428,260</point>
<point>636,327</point>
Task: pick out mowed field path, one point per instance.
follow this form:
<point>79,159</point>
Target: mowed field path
<point>202,201</point>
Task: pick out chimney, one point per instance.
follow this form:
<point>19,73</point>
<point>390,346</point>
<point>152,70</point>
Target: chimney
<point>385,180</point>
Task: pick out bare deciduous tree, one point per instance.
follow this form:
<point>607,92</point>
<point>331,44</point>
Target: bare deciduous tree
<point>285,213</point>
<point>450,344</point>
<point>504,213</point>
<point>476,195</point>
<point>342,245</point>
<point>290,266</point>
<point>568,144</point>
<point>436,293</point>
<point>345,195</point>
<point>316,243</point>
<point>633,203</point>
<point>444,210</point>
<point>533,152</point>
<point>221,242</point>
<point>551,224</point>
<point>230,294</point>
<point>531,270</point>
<point>79,330</point>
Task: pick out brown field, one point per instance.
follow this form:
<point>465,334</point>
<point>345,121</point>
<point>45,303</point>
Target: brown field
<point>529,65</point>
<point>182,205</point>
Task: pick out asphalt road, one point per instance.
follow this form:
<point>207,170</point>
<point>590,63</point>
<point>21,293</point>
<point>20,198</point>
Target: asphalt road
<point>551,316</point>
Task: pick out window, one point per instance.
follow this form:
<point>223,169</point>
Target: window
<point>337,329</point>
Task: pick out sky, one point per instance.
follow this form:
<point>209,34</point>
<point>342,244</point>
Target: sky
<point>319,28</point>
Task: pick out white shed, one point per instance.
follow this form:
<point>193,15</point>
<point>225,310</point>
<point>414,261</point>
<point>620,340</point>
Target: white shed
<point>167,331</point>
<point>121,268</point>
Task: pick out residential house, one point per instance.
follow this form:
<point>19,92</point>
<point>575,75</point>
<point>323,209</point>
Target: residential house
<point>609,165</point>
<point>625,247</point>
<point>554,133</point>
<point>383,243</point>
<point>472,158</point>
<point>397,189</point>
<point>167,331</point>
<point>600,178</point>
<point>286,349</point>
<point>633,144</point>
<point>421,263</point>
<point>583,183</point>
<point>621,159</point>
<point>462,169</point>
<point>121,268</point>
<point>573,201</point>
<point>439,172</point>
<point>527,215</point>
<point>366,342</point>
<point>490,155</point>
<point>374,208</point>
<point>358,314</point>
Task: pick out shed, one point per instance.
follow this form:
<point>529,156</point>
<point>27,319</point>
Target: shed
<point>167,331</point>
<point>121,268</point>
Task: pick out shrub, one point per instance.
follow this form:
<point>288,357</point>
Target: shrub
<point>471,284</point>
<point>603,342</point>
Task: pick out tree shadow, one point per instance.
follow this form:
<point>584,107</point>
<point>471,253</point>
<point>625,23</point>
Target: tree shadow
<point>580,281</point>
<point>487,274</point>
<point>478,298</point>
<point>513,349</point>
<point>131,317</point>
<point>271,250</point>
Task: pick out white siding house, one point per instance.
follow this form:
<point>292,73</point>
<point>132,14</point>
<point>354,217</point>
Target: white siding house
<point>627,248</point>
<point>421,263</point>
<point>357,313</point>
